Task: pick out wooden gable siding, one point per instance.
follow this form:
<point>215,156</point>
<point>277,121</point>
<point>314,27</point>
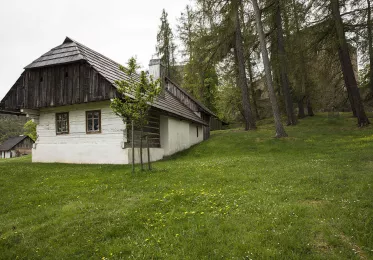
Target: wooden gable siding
<point>14,99</point>
<point>24,147</point>
<point>25,144</point>
<point>58,86</point>
<point>182,96</point>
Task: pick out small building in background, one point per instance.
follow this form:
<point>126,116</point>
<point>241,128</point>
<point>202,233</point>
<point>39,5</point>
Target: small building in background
<point>16,146</point>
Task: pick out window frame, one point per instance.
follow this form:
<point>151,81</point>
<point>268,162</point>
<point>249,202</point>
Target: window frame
<point>99,122</point>
<point>197,130</point>
<point>68,123</point>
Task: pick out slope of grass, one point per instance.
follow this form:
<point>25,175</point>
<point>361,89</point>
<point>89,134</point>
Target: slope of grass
<point>239,195</point>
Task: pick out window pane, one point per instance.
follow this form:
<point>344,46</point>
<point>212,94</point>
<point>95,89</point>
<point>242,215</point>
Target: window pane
<point>89,125</point>
<point>96,125</point>
<point>62,123</point>
<point>93,121</point>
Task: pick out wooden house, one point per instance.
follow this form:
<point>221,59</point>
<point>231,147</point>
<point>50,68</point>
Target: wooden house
<point>15,147</point>
<point>67,92</point>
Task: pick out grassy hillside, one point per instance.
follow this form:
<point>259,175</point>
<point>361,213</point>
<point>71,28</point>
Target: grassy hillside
<point>240,195</point>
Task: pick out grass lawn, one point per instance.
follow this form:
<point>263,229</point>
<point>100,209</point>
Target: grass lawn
<point>239,195</point>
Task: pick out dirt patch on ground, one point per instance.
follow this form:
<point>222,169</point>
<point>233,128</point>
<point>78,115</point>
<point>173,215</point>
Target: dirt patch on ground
<point>321,245</point>
<point>354,247</point>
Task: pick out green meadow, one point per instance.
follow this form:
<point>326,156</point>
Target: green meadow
<point>239,195</point>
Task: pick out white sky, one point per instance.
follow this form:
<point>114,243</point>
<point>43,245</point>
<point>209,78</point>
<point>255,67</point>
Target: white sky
<point>117,29</point>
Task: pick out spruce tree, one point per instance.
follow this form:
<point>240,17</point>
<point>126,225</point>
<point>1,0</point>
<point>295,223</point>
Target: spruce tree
<point>165,45</point>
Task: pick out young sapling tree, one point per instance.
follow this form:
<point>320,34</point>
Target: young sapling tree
<point>137,93</point>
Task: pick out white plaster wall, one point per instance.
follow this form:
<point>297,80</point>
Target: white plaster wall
<point>104,147</point>
<point>178,135</point>
<point>8,154</point>
<point>78,146</point>
<point>164,134</point>
<point>155,154</point>
<point>193,138</point>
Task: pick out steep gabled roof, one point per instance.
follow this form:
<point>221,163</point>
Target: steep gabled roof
<point>72,51</point>
<point>11,142</point>
<point>67,52</point>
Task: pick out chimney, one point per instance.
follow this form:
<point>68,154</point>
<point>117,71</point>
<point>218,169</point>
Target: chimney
<point>157,70</point>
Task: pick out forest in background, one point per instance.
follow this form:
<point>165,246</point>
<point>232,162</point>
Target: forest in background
<point>249,59</point>
<point>11,126</point>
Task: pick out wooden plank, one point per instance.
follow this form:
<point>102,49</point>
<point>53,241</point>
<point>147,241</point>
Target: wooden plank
<point>48,87</point>
<point>87,72</point>
<point>43,94</point>
<point>26,87</point>
<point>76,84</point>
<point>36,86</point>
<point>81,82</point>
<point>61,86</point>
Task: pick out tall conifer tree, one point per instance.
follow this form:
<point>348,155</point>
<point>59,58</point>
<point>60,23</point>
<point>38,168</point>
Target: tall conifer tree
<point>165,45</point>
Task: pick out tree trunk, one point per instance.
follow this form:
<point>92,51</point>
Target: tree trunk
<point>370,47</point>
<point>240,61</point>
<point>301,113</point>
<point>251,78</point>
<point>133,146</point>
<point>305,87</point>
<point>309,107</point>
<point>248,64</point>
<point>291,120</point>
<point>141,161</point>
<point>346,64</point>
<point>280,131</point>
<point>148,150</point>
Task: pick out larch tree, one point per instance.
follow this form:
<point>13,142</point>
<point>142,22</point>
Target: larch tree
<point>199,75</point>
<point>370,43</point>
<point>346,65</point>
<point>302,77</point>
<point>280,131</point>
<point>224,35</point>
<point>291,119</point>
<point>240,60</point>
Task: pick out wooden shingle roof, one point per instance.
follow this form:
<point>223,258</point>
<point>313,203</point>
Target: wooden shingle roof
<point>72,51</point>
<point>11,142</point>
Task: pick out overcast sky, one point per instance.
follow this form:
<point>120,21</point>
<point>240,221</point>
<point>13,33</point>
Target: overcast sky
<point>117,29</point>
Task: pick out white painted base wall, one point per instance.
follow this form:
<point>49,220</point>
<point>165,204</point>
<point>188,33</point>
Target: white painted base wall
<point>7,154</point>
<point>105,147</point>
